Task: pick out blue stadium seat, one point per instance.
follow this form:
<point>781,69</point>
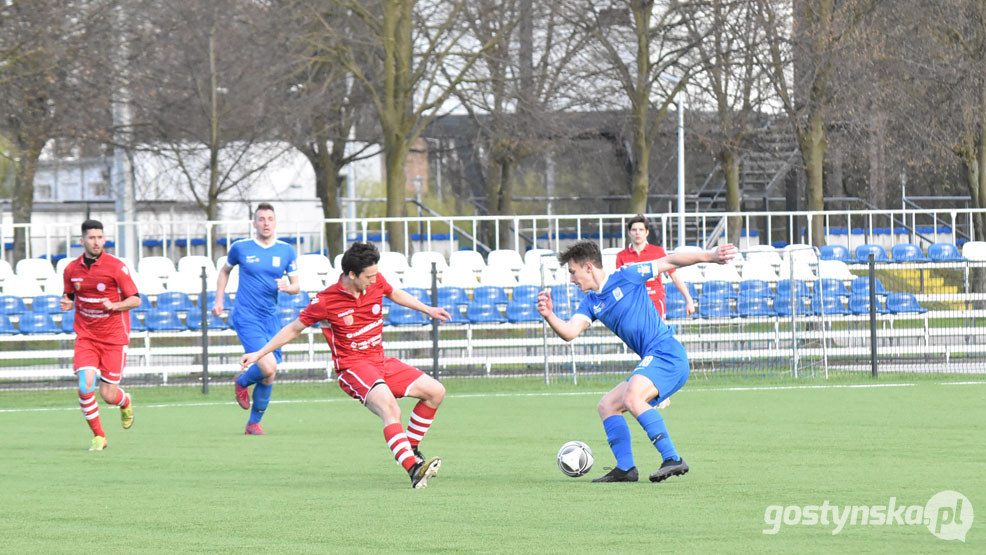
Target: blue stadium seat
<point>210,298</point>
<point>455,311</point>
<point>145,304</point>
<point>563,292</point>
<point>68,322</point>
<point>835,252</point>
<point>863,254</point>
<point>860,304</point>
<point>782,306</point>
<point>419,293</point>
<point>562,310</point>
<point>526,293</point>
<point>715,307</point>
<point>900,303</point>
<point>522,311</point>
<point>800,288</point>
<point>754,288</point>
<point>479,312</point>
<point>448,296</point>
<point>12,304</point>
<point>831,287</point>
<point>753,306</point>
<point>488,294</point>
<point>718,288</point>
<point>299,301</point>
<point>670,289</point>
<point>675,305</point>
<point>173,301</point>
<point>37,322</point>
<point>194,321</point>
<point>861,286</point>
<point>162,320</point>
<point>403,316</point>
<point>135,323</point>
<point>6,328</point>
<point>46,304</point>
<point>907,252</point>
<point>832,305</point>
<point>945,252</point>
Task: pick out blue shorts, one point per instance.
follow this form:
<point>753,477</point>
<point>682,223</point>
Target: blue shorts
<point>667,369</point>
<point>256,331</point>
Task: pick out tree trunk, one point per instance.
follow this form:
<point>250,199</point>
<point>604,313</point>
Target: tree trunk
<point>731,166</point>
<point>395,154</point>
<point>813,142</point>
<point>22,202</point>
<point>640,180</point>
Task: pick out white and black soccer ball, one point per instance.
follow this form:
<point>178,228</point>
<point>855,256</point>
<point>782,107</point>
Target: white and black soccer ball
<point>575,459</point>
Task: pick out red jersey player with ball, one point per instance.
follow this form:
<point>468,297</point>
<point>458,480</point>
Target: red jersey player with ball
<point>100,287</point>
<point>351,312</point>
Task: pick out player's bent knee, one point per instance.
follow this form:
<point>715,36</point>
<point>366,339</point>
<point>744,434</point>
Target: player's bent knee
<point>85,387</point>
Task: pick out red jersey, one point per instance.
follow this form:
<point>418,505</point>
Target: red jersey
<point>650,252</point>
<point>107,278</point>
<point>353,326</point>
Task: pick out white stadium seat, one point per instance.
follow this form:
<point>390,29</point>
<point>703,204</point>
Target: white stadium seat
<point>691,274</point>
<point>505,258</point>
<point>148,285</point>
<point>498,276</point>
<point>460,276</point>
<point>468,259</point>
<point>424,259</point>
<point>417,277</point>
<point>35,268</point>
<point>188,283</point>
<point>835,269</point>
<point>720,272</point>
<point>316,263</point>
<point>220,262</point>
<point>22,286</point>
<point>59,266</point>
<point>973,250</point>
<point>54,285</point>
<point>802,271</point>
<point>310,281</point>
<point>759,269</point>
<point>541,257</point>
<point>193,264</point>
<point>763,254</point>
<point>392,261</point>
<point>531,275</point>
<point>158,266</point>
<point>5,270</point>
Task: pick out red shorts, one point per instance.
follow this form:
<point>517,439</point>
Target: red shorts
<point>361,377</point>
<point>109,359</point>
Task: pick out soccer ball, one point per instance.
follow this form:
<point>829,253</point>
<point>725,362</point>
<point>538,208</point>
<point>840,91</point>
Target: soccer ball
<point>575,459</point>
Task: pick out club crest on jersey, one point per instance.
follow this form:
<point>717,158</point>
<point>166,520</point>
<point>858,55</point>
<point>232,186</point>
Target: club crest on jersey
<point>348,320</point>
<point>101,287</point>
<point>617,293</point>
<point>275,261</point>
<point>375,309</point>
<point>77,284</point>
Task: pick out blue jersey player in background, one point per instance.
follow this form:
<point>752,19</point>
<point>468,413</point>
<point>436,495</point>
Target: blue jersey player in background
<point>620,301</point>
<point>263,263</point>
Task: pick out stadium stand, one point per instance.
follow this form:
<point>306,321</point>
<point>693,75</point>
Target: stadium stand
<point>710,306</point>
<point>860,287</point>
<point>460,276</point>
<point>718,288</point>
<point>860,304</point>
<point>193,264</point>
<point>835,252</point>
<point>12,304</point>
<point>834,269</point>
<point>974,251</point>
<point>424,260</point>
<point>830,306</point>
<point>783,306</point>
<point>162,320</point>
<point>489,294</point>
<point>22,286</point>
<point>67,324</point>
<point>455,311</point>
<point>505,258</point>
<point>452,296</point>
<point>497,276</point>
<point>36,322</point>
<point>46,304</point>
<point>721,272</point>
<point>519,311</point>
<point>525,293</point>
<point>907,252</point>
<point>467,260</point>
<point>194,321</point>
<point>403,316</point>
<point>752,288</point>
<point>800,287</point>
<point>34,268</point>
<point>390,261</point>
<point>157,266</point>
<point>479,312</point>
<point>418,276</point>
<point>944,252</point>
<point>752,306</point>
<point>863,253</point>
<point>172,301</point>
<point>900,303</point>
<point>6,327</point>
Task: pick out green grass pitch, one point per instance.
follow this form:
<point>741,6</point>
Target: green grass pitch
<point>185,478</point>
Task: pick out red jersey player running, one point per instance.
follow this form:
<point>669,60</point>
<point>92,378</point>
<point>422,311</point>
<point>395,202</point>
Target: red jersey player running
<point>100,287</point>
<point>640,250</point>
<point>351,312</point>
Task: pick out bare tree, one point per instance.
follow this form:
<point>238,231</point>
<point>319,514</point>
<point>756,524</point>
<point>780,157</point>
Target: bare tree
<point>518,88</point>
<point>804,41</point>
<point>726,37</point>
<point>640,45</point>
<point>51,54</point>
<point>412,41</point>
<point>323,108</point>
<point>204,95</point>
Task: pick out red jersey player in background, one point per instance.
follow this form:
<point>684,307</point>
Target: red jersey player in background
<point>640,250</point>
<point>351,312</point>
<point>100,287</point>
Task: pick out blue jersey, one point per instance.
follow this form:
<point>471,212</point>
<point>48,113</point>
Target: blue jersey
<point>260,268</point>
<point>624,306</point>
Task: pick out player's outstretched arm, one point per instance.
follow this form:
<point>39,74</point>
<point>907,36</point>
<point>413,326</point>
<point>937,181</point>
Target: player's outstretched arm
<point>567,330</point>
<point>719,255</point>
<point>286,335</point>
<point>406,299</point>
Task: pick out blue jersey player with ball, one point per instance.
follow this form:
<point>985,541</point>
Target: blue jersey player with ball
<point>619,300</point>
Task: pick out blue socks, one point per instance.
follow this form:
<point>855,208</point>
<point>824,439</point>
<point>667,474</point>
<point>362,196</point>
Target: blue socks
<point>261,398</point>
<point>653,423</point>
<point>251,376</point>
<point>618,436</point>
